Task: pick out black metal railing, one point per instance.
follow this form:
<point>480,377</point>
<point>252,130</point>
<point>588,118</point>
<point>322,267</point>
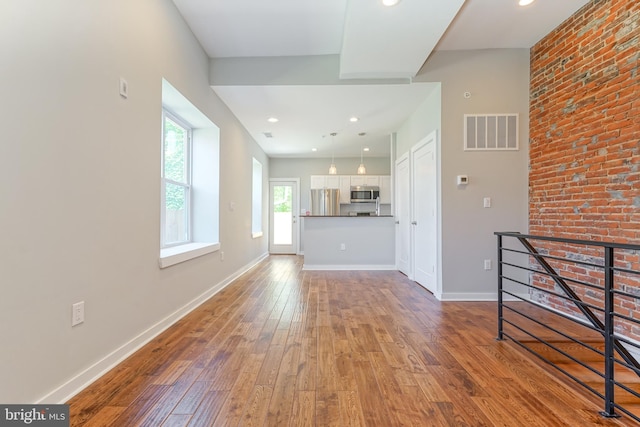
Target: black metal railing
<point>575,303</point>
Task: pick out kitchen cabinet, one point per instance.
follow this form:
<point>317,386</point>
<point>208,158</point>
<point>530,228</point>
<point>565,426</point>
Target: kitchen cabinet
<point>345,189</point>
<point>345,182</point>
<point>318,182</point>
<point>357,180</point>
<point>385,189</point>
<point>365,180</point>
<point>332,181</point>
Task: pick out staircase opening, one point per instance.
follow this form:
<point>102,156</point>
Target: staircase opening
<point>575,304</point>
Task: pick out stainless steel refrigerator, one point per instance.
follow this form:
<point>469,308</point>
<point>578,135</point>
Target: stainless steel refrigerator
<point>325,202</point>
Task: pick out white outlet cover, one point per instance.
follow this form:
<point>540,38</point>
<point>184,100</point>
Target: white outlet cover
<point>77,313</point>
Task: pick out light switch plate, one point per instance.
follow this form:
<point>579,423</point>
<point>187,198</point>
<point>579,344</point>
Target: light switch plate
<point>124,88</point>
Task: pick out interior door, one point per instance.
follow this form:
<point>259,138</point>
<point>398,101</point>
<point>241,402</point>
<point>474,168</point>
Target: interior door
<point>403,216</point>
<point>283,217</point>
<point>424,219</point>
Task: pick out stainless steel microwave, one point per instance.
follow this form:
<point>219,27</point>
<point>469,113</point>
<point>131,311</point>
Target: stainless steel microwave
<point>362,194</point>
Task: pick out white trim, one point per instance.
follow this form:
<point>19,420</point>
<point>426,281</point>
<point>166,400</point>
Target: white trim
<point>79,382</point>
<point>348,267</point>
<point>177,254</point>
<point>478,296</point>
<point>256,235</point>
<point>167,114</point>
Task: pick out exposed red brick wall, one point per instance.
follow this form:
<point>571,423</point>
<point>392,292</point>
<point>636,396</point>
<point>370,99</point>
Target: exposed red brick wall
<point>584,179</point>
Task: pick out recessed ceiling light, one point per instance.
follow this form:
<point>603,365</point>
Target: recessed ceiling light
<point>272,120</point>
<point>390,2</point>
<point>314,149</point>
<point>365,149</point>
<point>353,119</point>
<point>525,2</point>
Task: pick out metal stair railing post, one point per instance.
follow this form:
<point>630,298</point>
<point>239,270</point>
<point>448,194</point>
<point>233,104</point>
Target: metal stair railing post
<point>609,379</point>
<point>500,322</point>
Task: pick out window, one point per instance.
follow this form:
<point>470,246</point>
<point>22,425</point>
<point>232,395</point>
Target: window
<point>256,200</point>
<point>176,181</point>
<point>190,181</point>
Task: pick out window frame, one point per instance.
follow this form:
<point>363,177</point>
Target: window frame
<point>257,183</point>
<point>205,180</point>
<point>188,185</point>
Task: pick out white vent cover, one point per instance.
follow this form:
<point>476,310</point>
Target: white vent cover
<point>490,132</point>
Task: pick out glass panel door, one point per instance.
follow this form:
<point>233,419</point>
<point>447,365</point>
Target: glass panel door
<point>283,218</point>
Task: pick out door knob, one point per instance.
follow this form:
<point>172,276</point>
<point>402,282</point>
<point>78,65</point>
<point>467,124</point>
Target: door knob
<point>414,222</point>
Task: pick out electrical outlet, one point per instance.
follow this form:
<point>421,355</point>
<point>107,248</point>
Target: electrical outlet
<point>343,247</point>
<point>487,264</point>
<point>77,313</point>
<point>221,255</point>
<point>487,202</point>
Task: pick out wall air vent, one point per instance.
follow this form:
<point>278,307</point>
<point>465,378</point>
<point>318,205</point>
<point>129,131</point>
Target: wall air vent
<point>484,132</point>
<point>268,134</point>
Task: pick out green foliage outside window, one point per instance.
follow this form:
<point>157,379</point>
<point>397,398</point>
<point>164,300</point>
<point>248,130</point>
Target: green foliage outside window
<point>282,200</point>
<point>175,163</point>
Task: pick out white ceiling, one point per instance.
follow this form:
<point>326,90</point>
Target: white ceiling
<point>369,41</point>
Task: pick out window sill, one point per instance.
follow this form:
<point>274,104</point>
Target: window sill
<point>178,254</point>
<point>256,235</point>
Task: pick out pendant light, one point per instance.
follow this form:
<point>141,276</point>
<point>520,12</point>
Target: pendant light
<point>361,169</point>
<point>332,168</point>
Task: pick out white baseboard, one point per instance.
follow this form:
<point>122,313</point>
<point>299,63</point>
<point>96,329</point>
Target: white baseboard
<point>83,379</point>
<point>348,267</point>
<point>478,296</point>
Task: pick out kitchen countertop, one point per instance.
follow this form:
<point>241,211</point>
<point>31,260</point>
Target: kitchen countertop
<point>346,216</point>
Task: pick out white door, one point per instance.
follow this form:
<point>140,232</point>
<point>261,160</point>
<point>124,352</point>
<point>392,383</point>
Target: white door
<point>403,216</point>
<point>424,219</point>
<point>283,217</point>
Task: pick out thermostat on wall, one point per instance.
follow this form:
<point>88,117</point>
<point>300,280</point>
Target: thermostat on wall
<point>462,180</point>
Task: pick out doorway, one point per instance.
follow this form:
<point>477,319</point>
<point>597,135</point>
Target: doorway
<point>284,227</point>
<point>403,215</point>
<point>424,227</point>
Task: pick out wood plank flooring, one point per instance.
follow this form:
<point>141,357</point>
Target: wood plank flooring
<point>285,347</point>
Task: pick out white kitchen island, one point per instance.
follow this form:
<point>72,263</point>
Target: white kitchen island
<point>349,243</point>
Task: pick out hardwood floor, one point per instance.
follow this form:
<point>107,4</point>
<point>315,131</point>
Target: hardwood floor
<point>281,347</point>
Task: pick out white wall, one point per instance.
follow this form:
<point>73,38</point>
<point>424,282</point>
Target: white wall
<point>80,186</point>
<point>498,81</point>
